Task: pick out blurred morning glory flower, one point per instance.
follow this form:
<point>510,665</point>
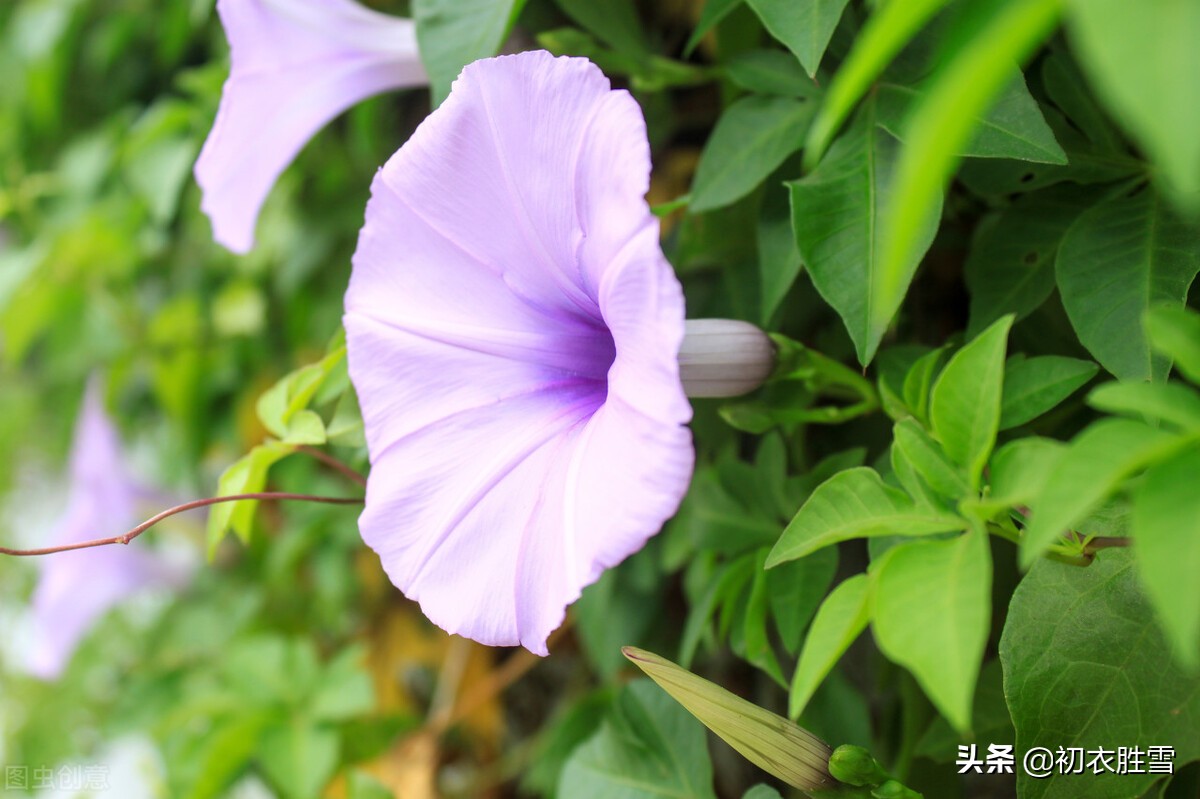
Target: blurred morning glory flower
<point>295,65</point>
<point>76,588</point>
<point>513,330</point>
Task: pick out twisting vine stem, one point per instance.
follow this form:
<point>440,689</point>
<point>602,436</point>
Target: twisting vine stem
<point>158,517</point>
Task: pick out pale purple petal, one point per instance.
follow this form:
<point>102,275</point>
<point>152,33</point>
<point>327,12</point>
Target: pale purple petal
<point>512,328</point>
<point>76,588</point>
<point>295,65</point>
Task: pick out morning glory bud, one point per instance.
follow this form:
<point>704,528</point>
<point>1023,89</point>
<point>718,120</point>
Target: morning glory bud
<point>724,358</point>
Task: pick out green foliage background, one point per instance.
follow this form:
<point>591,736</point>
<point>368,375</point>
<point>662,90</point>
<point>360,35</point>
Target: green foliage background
<point>987,451</point>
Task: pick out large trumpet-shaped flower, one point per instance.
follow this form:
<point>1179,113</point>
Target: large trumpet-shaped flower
<point>76,588</point>
<point>294,66</point>
<point>513,328</point>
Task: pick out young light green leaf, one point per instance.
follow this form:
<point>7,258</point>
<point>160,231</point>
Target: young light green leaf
<point>919,380</point>
<point>769,72</point>
<point>804,26</point>
<point>1033,386</point>
<point>292,393</point>
<point>1175,332</point>
<point>841,618</point>
<point>1172,403</point>
<point>930,613</point>
<point>1020,468</point>
<point>884,35</point>
<point>910,479</point>
<point>1166,529</point>
<point>305,427</point>
<point>1143,61</point>
<point>453,33</point>
<point>964,408</point>
<point>856,503</point>
<point>1013,127</point>
<point>836,216</point>
<point>650,749</point>
<point>1010,268</point>
<point>942,124</point>
<point>751,139</point>
<point>771,742</point>
<point>1095,464</point>
<point>1120,258</point>
<point>1085,663</point>
<point>247,475</point>
<point>928,459</point>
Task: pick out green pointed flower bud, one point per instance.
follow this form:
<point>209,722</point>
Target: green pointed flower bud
<point>767,740</point>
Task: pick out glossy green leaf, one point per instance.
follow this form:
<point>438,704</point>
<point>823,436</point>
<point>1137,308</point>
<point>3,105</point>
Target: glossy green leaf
<point>769,72</point>
<point>1171,403</point>
<point>751,139</point>
<point>855,503</point>
<point>1010,268</point>
<point>1166,529</point>
<point>453,33</point>
<point>771,742</point>
<point>1143,61</point>
<point>795,590</point>
<point>1093,467</point>
<point>804,26</point>
<point>884,35</point>
<point>940,127</point>
<point>1033,386</point>
<point>1175,333</point>
<point>756,636</point>
<point>836,214</point>
<point>841,618</point>
<point>1085,664</point>
<point>1120,258</point>
<point>931,612</point>
<point>1012,127</point>
<point>964,408</point>
<point>778,257</point>
<point>650,749</point>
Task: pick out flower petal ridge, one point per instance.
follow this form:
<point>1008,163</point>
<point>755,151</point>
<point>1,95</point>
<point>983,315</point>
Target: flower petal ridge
<point>295,65</point>
<point>512,330</point>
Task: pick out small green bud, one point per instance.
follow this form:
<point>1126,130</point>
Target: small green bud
<point>854,765</point>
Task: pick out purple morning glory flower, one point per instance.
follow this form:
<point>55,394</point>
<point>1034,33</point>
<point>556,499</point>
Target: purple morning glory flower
<point>76,588</point>
<point>295,65</point>
<point>513,330</point>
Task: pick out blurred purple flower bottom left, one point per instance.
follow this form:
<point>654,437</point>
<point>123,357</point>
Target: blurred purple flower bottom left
<point>513,330</point>
<point>76,588</point>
